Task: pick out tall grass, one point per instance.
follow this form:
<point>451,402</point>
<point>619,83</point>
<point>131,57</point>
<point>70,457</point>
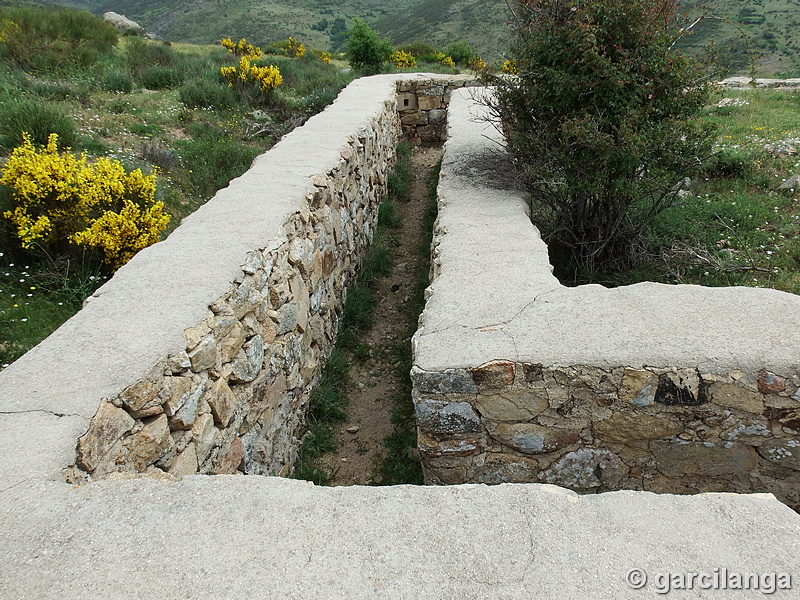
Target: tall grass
<point>38,118</point>
<point>42,37</point>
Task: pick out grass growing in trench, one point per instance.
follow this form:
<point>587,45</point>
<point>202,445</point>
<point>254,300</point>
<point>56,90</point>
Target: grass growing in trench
<point>399,465</point>
<point>328,402</point>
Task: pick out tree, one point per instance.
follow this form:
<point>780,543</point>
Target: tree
<point>601,121</point>
<point>366,50</point>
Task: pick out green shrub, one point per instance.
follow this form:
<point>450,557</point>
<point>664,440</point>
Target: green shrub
<point>306,76</point>
<point>156,153</point>
<point>117,82</point>
<point>728,163</point>
<point>601,120</point>
<point>461,52</point>
<point>205,94</point>
<point>161,78</point>
<point>38,118</point>
<point>51,90</point>
<point>62,200</point>
<point>367,52</point>
<point>420,50</point>
<point>47,37</point>
<point>145,54</point>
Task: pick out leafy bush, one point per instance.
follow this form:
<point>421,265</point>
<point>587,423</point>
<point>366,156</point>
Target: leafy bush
<point>728,163</point>
<point>145,54</point>
<point>46,37</point>
<point>60,198</point>
<point>461,52</point>
<point>601,121</point>
<point>242,79</point>
<point>441,57</point>
<point>366,50</point>
<point>241,48</point>
<point>403,60</point>
<point>323,56</point>
<point>420,50</point>
<point>39,119</point>
<point>293,48</point>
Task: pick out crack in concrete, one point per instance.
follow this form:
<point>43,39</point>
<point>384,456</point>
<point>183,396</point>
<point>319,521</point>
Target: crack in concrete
<point>11,487</point>
<point>46,412</point>
<point>443,329</point>
<point>497,326</point>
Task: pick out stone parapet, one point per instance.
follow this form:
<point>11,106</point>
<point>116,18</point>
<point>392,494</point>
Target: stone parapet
<point>650,387</point>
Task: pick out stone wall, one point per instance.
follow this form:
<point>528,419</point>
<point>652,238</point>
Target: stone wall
<point>673,389</point>
<point>233,392</point>
<point>422,104</point>
<point>236,392</point>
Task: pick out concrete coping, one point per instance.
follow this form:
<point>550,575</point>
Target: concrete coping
<point>494,296</point>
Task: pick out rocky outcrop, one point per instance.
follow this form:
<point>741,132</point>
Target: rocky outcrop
<point>121,22</point>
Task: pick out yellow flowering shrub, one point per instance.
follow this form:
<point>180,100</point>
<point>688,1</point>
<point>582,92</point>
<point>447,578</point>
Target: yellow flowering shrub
<point>442,58</point>
<point>510,67</point>
<point>403,60</point>
<point>295,48</point>
<point>8,30</point>
<point>477,64</point>
<point>61,197</point>
<point>323,56</point>
<point>241,48</point>
<point>268,78</point>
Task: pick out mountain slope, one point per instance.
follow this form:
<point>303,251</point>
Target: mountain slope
<point>770,24</point>
<point>482,23</point>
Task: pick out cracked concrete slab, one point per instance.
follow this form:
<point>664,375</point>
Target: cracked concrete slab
<point>240,537</point>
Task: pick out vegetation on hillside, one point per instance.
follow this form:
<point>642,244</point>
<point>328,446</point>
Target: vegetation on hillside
<point>738,222</point>
<point>770,25</point>
<point>762,35</point>
<point>106,140</point>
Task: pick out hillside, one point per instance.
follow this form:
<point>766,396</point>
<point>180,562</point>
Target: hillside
<point>771,24</point>
<point>771,27</point>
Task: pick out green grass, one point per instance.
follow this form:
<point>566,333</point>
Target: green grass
<point>328,400</point>
<point>735,227</point>
<point>36,297</point>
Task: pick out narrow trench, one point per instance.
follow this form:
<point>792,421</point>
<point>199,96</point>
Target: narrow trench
<point>377,388</point>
